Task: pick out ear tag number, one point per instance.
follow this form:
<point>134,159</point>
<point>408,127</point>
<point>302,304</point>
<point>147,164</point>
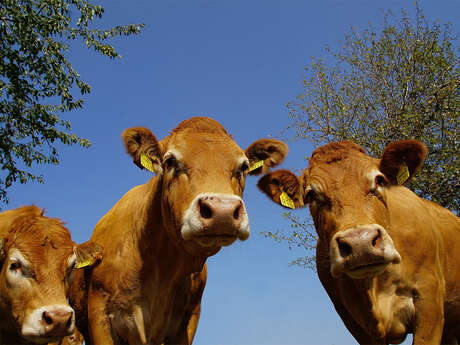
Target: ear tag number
<point>286,201</point>
<point>83,263</point>
<point>403,174</point>
<point>256,165</point>
<point>146,162</point>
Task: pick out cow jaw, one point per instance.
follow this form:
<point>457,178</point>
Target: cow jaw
<point>362,252</point>
<point>214,220</point>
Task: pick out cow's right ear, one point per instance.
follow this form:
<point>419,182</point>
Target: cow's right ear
<point>88,254</point>
<point>283,187</point>
<point>144,147</point>
<point>401,160</point>
<point>264,154</point>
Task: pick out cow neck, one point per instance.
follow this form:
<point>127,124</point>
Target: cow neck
<point>156,244</point>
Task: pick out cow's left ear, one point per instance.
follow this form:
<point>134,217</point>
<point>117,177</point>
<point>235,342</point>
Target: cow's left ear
<point>401,160</point>
<point>88,254</point>
<point>264,154</point>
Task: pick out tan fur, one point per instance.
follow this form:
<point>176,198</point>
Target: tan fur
<point>421,293</point>
<point>149,271</point>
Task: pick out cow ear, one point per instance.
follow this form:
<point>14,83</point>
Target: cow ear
<point>144,147</point>
<point>264,154</point>
<point>283,187</point>
<point>88,254</point>
<point>2,251</point>
<point>401,160</point>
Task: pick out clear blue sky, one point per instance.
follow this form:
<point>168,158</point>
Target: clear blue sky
<point>238,62</point>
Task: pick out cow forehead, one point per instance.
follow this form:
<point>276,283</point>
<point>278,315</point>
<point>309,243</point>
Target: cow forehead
<point>195,146</point>
<point>40,239</point>
<point>336,170</point>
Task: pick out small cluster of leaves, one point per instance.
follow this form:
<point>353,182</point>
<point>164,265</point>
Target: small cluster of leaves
<point>402,82</point>
<point>37,80</point>
<point>300,235</point>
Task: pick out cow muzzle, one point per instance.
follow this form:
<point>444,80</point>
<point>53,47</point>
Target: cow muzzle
<point>49,324</point>
<point>362,252</point>
<point>215,220</point>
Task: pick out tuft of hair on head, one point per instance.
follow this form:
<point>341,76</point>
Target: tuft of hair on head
<point>200,124</point>
<point>335,151</point>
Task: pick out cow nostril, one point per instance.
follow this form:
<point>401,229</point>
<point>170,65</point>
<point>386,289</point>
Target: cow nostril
<point>205,211</point>
<point>344,249</point>
<point>69,321</point>
<point>376,241</point>
<point>47,318</point>
<point>236,214</point>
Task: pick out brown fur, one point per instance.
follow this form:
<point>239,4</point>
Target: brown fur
<point>421,293</point>
<point>148,288</point>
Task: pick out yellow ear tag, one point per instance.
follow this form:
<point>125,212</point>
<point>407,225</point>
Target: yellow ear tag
<point>83,263</point>
<point>286,200</point>
<point>146,162</point>
<point>403,174</point>
<point>256,165</point>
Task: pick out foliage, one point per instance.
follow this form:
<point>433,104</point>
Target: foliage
<point>37,82</point>
<point>400,83</point>
<point>300,235</point>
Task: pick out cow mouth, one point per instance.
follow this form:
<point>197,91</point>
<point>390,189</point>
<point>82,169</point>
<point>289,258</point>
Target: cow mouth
<point>42,339</point>
<point>212,240</point>
<point>367,270</point>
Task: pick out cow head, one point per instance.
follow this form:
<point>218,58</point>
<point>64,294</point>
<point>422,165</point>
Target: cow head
<point>201,172</point>
<point>346,191</point>
<point>37,261</point>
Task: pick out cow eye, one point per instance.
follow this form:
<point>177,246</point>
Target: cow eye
<point>15,266</point>
<point>170,162</point>
<point>380,181</point>
<point>245,166</point>
<point>311,196</point>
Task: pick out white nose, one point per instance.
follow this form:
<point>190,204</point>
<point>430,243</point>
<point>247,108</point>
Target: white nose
<point>212,214</point>
<point>49,322</point>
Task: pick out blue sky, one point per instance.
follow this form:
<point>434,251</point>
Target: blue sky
<point>238,62</point>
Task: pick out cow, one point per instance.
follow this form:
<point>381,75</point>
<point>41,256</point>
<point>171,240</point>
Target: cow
<point>386,257</point>
<point>37,261</point>
<point>157,237</point>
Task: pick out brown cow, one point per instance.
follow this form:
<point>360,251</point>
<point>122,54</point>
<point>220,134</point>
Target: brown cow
<point>387,258</point>
<point>37,262</point>
<point>157,237</point>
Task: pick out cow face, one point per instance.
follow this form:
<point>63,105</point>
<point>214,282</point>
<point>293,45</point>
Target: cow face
<point>347,194</point>
<point>38,258</point>
<point>202,174</point>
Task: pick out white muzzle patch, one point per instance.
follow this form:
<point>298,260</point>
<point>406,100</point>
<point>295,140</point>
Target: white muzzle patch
<point>215,217</point>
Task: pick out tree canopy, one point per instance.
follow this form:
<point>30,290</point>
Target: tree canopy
<point>37,81</point>
<point>400,82</point>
